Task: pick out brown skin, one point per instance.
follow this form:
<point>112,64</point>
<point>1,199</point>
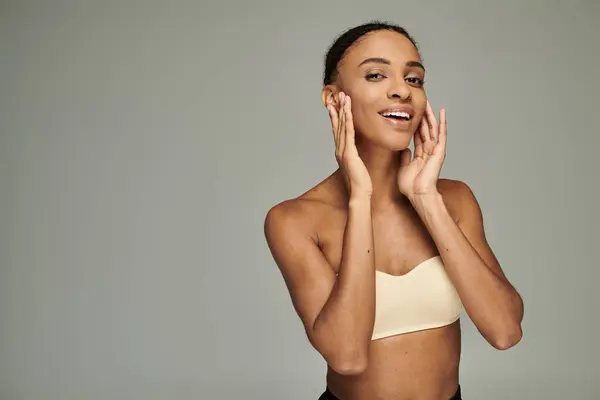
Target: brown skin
<point>329,241</point>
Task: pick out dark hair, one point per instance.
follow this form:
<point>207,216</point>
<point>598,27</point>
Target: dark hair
<point>343,42</point>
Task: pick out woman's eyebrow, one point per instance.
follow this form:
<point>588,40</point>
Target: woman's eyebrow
<point>381,60</point>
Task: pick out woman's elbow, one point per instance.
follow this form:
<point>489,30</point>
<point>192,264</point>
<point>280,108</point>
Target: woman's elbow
<point>348,359</point>
<point>349,366</point>
<point>344,358</point>
<point>508,338</point>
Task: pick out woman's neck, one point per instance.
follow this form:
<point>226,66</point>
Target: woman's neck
<point>382,165</point>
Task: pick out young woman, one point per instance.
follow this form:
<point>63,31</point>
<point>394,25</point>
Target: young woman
<point>382,256</point>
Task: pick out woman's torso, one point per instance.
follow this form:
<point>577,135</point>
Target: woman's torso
<point>419,365</point>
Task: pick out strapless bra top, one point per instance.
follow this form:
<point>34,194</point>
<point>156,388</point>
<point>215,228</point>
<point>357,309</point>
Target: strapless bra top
<point>423,298</point>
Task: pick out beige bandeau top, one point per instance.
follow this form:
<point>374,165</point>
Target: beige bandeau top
<point>423,298</point>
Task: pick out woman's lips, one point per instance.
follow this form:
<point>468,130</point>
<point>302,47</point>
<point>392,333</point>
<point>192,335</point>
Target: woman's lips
<point>398,123</point>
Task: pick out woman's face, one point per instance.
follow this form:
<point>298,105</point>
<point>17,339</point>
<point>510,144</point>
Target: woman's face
<point>383,75</point>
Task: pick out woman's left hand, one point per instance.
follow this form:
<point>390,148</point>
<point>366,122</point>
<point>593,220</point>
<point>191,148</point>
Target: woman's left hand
<point>419,176</point>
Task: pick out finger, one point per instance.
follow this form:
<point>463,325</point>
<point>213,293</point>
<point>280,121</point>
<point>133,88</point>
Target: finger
<point>333,115</point>
<point>342,128</point>
<point>341,100</point>
<point>442,138</point>
<point>433,125</point>
<point>418,146</point>
<point>350,134</point>
<point>424,129</point>
<point>405,157</point>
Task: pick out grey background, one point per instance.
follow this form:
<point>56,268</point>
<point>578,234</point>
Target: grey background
<point>142,144</point>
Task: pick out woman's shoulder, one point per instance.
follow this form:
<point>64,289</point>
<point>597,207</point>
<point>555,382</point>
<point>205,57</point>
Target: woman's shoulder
<point>308,211</point>
<point>451,188</point>
<point>457,196</point>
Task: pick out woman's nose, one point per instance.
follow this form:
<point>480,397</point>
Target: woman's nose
<point>399,90</point>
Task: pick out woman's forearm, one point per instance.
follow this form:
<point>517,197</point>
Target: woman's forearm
<point>347,317</point>
<point>489,299</point>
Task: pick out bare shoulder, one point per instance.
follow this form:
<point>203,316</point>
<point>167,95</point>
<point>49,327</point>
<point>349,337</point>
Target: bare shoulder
<point>453,189</point>
<point>306,213</point>
<point>459,199</point>
<point>299,213</point>
<point>291,215</point>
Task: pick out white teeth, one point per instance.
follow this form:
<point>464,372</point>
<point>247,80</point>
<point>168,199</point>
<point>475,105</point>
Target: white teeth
<point>400,114</point>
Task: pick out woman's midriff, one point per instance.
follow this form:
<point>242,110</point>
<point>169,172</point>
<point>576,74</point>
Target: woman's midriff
<point>415,366</point>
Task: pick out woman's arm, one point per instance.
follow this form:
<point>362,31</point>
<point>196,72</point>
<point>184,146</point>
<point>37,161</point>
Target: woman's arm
<point>492,303</point>
<point>338,313</point>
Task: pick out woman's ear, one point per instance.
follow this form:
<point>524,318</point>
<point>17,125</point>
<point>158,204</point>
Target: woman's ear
<point>330,95</point>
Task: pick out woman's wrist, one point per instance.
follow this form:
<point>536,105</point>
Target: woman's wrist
<point>359,200</point>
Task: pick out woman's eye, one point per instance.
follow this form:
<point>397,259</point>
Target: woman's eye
<point>374,75</point>
<point>415,81</point>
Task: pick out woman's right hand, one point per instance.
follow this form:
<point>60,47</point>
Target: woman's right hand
<point>351,165</point>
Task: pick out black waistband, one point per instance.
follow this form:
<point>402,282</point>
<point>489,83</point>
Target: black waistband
<point>327,395</point>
